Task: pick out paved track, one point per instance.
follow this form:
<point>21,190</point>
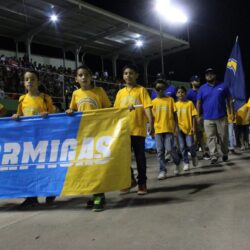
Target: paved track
<point>208,208</point>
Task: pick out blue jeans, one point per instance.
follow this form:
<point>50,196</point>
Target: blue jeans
<point>186,144</point>
<point>231,135</point>
<point>165,142</point>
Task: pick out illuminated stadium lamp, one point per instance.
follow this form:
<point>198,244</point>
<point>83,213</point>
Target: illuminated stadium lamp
<point>176,16</point>
<point>137,36</point>
<point>54,18</point>
<point>169,12</point>
<point>162,5</point>
<point>172,14</point>
<point>139,43</point>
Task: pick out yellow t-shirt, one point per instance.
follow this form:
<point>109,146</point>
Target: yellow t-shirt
<point>241,115</point>
<point>248,103</point>
<point>163,111</point>
<point>95,98</point>
<point>185,112</point>
<point>137,118</point>
<point>34,105</point>
<point>229,117</point>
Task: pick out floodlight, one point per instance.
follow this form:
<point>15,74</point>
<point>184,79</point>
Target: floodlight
<point>176,16</point>
<point>139,43</point>
<point>170,12</point>
<point>54,18</point>
<point>162,5</point>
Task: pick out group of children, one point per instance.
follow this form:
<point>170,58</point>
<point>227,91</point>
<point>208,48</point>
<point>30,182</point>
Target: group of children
<point>175,127</point>
<point>172,123</point>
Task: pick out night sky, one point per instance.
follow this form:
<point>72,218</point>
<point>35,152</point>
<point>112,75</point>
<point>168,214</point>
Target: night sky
<point>213,27</point>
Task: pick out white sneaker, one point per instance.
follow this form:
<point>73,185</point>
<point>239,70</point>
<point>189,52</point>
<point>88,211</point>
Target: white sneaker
<point>186,167</point>
<point>195,161</point>
<point>162,175</point>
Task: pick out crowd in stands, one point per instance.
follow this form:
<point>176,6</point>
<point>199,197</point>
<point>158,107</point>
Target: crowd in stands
<point>54,80</point>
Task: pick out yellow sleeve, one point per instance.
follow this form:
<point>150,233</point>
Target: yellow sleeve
<point>145,99</point>
<point>73,104</point>
<point>105,100</point>
<point>117,100</point>
<point>174,105</point>
<point>49,104</point>
<point>193,109</point>
<point>248,103</point>
<point>153,108</point>
<point>20,105</point>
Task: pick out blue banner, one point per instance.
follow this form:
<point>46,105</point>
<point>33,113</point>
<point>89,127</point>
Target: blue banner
<point>28,148</point>
<point>235,78</point>
<point>65,155</point>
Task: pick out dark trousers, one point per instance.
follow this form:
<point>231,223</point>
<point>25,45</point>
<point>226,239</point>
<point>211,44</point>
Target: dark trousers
<point>138,145</point>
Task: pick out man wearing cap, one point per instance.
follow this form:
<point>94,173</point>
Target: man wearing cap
<point>192,96</point>
<point>213,99</point>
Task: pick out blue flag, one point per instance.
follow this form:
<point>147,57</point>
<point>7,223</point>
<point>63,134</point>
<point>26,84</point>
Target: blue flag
<point>235,78</point>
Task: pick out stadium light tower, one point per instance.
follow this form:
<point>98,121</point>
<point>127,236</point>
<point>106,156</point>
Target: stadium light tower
<point>172,14</point>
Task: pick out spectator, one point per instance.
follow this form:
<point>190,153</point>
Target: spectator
<point>2,93</point>
<point>212,99</point>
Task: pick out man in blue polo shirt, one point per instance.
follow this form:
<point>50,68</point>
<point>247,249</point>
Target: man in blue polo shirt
<point>213,99</point>
<point>192,96</point>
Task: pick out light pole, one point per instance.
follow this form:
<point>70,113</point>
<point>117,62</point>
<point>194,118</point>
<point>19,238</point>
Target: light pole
<point>171,14</point>
<point>162,56</point>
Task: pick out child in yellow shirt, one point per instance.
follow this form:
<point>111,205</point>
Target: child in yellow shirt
<point>129,96</point>
<point>186,114</point>
<point>165,122</point>
<point>88,97</point>
<point>33,103</point>
<point>243,126</point>
<point>248,110</point>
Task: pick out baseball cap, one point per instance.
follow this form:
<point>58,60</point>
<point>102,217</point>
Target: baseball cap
<point>210,70</point>
<point>195,78</point>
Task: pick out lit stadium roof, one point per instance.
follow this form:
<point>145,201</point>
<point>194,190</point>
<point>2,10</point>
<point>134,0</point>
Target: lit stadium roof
<point>84,26</point>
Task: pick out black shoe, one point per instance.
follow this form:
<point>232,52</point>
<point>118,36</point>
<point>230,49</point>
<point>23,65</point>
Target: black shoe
<point>206,156</point>
<point>214,160</point>
<point>29,202</point>
<point>99,203</point>
<point>225,158</point>
<point>50,200</point>
<point>90,203</point>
